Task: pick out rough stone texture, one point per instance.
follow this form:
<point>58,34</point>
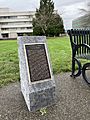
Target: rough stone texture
<point>73,101</point>
<point>36,95</point>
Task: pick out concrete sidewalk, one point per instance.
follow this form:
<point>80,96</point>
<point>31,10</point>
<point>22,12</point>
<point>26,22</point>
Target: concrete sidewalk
<point>73,101</point>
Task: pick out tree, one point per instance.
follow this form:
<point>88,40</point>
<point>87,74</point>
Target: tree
<point>46,22</point>
<point>55,26</point>
<point>43,15</point>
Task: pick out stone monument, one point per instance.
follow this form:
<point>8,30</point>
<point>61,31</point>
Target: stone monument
<point>37,82</point>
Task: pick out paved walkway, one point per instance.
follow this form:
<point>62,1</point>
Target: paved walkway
<point>73,101</point>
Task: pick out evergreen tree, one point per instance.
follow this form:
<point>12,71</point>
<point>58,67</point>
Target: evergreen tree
<point>45,21</point>
<point>55,26</point>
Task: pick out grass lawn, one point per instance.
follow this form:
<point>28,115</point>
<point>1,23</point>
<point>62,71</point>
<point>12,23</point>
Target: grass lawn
<point>60,53</point>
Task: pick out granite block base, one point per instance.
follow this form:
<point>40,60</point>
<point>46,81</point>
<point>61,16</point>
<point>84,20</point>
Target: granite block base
<point>38,99</point>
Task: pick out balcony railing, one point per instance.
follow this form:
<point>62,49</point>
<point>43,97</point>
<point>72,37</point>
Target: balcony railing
<point>17,26</point>
<point>17,31</point>
<point>15,20</point>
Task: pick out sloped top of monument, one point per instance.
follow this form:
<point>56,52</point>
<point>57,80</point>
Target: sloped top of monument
<point>32,39</point>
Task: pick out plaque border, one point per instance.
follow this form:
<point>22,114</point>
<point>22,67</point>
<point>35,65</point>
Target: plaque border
<point>27,65</point>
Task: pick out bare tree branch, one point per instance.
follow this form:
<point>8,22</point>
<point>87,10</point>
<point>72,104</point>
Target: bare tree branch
<point>86,17</point>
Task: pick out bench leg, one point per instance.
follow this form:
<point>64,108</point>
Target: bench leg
<point>73,68</point>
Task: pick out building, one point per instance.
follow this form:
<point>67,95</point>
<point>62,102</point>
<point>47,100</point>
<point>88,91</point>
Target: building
<point>13,24</point>
<point>81,22</point>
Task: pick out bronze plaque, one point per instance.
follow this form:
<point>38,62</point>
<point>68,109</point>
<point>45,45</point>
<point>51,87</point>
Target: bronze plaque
<point>37,62</point>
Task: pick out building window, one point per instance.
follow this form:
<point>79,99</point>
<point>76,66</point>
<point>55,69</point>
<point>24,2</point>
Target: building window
<point>5,35</point>
<point>4,28</point>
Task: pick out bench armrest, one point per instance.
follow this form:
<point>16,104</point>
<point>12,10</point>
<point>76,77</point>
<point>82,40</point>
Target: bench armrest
<point>83,45</point>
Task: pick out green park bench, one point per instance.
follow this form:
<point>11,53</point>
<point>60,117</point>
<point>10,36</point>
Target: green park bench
<point>80,44</point>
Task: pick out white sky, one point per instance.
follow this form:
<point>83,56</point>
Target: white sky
<point>69,9</point>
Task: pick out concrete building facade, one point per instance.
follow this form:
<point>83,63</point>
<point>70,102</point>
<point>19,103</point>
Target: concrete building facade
<point>13,24</point>
<point>81,22</point>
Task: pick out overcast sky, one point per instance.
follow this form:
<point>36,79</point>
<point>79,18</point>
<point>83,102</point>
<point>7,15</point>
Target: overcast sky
<point>69,9</point>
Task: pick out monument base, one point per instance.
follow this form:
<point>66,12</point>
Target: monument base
<point>39,97</point>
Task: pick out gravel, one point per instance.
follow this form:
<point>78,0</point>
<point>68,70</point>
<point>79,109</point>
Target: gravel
<point>73,101</point>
